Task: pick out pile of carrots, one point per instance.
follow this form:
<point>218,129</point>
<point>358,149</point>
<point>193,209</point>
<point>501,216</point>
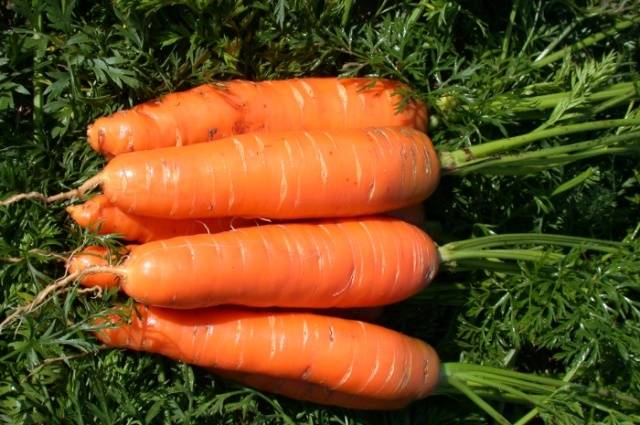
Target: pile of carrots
<point>288,200</point>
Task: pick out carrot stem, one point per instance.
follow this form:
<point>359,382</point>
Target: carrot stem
<point>533,238</point>
<point>38,96</point>
<point>509,30</point>
<point>502,254</point>
<point>504,384</point>
<point>548,101</point>
<point>480,252</point>
<point>452,161</point>
<point>527,162</point>
<point>464,389</point>
<point>586,42</point>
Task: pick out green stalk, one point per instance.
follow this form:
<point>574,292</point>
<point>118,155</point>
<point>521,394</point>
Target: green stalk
<point>549,101</point>
<point>479,253</point>
<point>568,376</point>
<point>527,162</point>
<point>456,369</point>
<point>507,35</point>
<point>586,42</point>
<point>519,167</point>
<point>38,94</point>
<point>488,409</point>
<point>614,101</point>
<point>487,264</point>
<point>533,238</point>
<point>628,90</point>
<point>576,181</point>
<point>448,256</point>
<point>516,387</point>
<point>557,40</point>
<point>454,159</point>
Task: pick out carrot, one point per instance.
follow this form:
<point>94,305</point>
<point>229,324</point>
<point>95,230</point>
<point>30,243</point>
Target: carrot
<point>336,355</point>
<point>215,111</point>
<point>275,175</point>
<point>300,390</point>
<point>99,256</point>
<point>99,215</point>
<point>96,256</point>
<point>372,261</point>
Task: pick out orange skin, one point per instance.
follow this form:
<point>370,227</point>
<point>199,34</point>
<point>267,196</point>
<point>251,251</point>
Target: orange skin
<point>93,256</point>
<point>343,263</point>
<point>89,257</point>
<point>214,111</point>
<point>278,175</point>
<point>100,215</point>
<point>301,390</point>
<point>349,357</point>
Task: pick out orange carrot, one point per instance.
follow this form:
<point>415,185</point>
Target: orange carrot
<point>220,110</point>
<point>301,390</point>
<point>350,357</point>
<point>98,256</point>
<point>99,215</point>
<point>276,175</point>
<point>343,263</point>
<point>93,256</point>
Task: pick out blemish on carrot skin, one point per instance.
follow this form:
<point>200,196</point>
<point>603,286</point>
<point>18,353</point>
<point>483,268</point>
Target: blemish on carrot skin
<point>211,133</point>
<point>305,373</point>
<point>331,334</point>
<point>101,138</point>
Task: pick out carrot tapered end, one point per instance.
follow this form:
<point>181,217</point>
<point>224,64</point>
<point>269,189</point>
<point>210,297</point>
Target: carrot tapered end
<point>93,256</point>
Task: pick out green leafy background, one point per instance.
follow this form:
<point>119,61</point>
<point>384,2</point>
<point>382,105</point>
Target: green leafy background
<point>65,63</point>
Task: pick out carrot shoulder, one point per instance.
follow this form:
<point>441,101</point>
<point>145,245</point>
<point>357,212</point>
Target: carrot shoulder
<point>344,263</point>
<point>350,357</point>
<point>278,175</point>
<point>214,111</point>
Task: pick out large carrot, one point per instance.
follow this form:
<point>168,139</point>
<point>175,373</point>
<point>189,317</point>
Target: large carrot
<point>100,215</point>
<point>358,361</point>
<point>315,174</point>
<point>343,263</point>
<point>329,360</point>
<point>215,111</point>
<point>98,256</point>
<point>275,175</point>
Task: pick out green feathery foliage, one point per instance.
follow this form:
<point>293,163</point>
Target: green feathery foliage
<point>488,71</point>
